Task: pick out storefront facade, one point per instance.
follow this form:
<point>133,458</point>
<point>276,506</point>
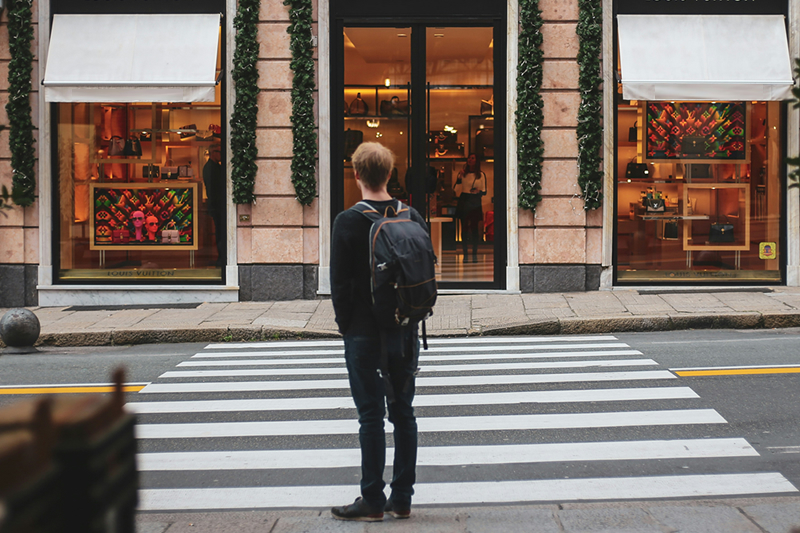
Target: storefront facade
<point>118,155</point>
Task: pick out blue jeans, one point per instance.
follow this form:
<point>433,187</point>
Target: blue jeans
<point>362,354</point>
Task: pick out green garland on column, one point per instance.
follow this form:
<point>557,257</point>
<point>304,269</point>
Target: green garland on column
<point>590,112</point>
<point>529,116</point>
<point>304,134</point>
<point>243,120</point>
<point>18,108</point>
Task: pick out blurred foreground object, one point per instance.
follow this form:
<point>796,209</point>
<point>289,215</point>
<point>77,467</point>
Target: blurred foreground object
<point>68,464</point>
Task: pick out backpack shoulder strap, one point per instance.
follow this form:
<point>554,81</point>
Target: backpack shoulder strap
<point>367,210</point>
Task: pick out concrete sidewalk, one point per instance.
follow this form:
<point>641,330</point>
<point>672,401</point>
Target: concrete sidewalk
<point>478,314</point>
<point>752,515</point>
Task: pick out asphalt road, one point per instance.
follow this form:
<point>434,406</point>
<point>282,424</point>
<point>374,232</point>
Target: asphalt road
<point>621,408</point>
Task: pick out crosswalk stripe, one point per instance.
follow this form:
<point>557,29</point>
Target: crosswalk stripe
<point>451,455</point>
<point>451,381</point>
<point>227,360</point>
<point>432,349</point>
<point>420,400</point>
<point>432,341</point>
<point>481,367</point>
<point>434,424</point>
<point>612,488</point>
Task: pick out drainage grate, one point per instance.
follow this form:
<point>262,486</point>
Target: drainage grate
<point>703,289</point>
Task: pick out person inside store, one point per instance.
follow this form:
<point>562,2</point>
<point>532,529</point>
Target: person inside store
<point>214,182</point>
<point>469,188</point>
<point>352,304</point>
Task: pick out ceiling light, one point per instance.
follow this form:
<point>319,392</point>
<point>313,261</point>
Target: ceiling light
<point>402,35</point>
<point>438,35</point>
<point>387,82</point>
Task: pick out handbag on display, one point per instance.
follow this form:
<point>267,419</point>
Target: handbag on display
<point>636,171</point>
<point>487,106</point>
<point>693,144</point>
<point>701,172</point>
<point>170,236</point>
<point>654,205</point>
<point>633,133</point>
<point>120,236</point>
<point>352,138</point>
<point>670,230</point>
<point>132,147</point>
<point>721,233</point>
<point>116,146</point>
<point>484,143</point>
<point>394,107</point>
<point>358,106</point>
<point>185,171</point>
<point>151,171</point>
<point>169,173</point>
<point>216,130</point>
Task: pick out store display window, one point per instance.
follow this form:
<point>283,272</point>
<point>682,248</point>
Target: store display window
<point>132,198</point>
<point>699,191</point>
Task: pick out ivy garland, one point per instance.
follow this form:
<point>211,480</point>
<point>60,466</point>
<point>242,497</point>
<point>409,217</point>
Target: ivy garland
<point>304,136</point>
<point>529,115</point>
<point>590,116</point>
<point>18,108</point>
<point>245,110</point>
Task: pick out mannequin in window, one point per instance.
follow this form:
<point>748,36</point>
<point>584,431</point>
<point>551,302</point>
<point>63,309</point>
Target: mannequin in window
<point>470,187</point>
<point>137,219</point>
<point>214,182</point>
<point>151,224</point>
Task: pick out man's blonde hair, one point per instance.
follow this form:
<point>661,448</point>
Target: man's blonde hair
<point>373,162</point>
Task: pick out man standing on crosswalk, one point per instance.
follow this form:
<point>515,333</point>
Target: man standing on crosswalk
<point>352,303</point>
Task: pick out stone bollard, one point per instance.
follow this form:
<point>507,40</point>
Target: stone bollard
<point>19,330</point>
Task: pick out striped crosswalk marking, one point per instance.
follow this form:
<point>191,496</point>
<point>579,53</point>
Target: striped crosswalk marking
<point>306,380</point>
<point>422,400</point>
<point>434,424</point>
<point>452,381</point>
<point>547,490</point>
<point>452,455</point>
<point>425,369</point>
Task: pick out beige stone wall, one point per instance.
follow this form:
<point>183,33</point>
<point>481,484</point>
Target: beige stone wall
<point>561,231</point>
<point>280,230</point>
<point>19,228</point>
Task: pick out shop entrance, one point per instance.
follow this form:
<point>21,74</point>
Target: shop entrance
<point>429,94</point>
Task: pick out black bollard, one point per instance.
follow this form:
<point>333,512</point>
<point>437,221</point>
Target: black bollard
<point>19,330</point>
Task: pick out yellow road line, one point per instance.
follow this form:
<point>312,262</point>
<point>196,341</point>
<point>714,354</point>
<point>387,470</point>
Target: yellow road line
<point>69,390</point>
<point>737,372</point>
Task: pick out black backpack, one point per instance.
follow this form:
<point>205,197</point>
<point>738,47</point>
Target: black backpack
<point>403,273</point>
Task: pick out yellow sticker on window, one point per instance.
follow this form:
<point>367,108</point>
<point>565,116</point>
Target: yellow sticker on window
<point>767,250</point>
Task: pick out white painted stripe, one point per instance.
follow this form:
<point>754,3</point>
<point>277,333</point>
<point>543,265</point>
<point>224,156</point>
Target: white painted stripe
<point>795,365</point>
<point>451,455</point>
<point>434,424</point>
<point>481,367</point>
<point>205,359</point>
<point>458,350</point>
<point>619,488</point>
<point>423,354</point>
<point>420,400</point>
<point>451,381</point>
<point>127,384</point>
<point>432,341</point>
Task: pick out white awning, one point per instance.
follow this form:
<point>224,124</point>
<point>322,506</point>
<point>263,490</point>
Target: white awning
<point>132,58</point>
<point>704,57</point>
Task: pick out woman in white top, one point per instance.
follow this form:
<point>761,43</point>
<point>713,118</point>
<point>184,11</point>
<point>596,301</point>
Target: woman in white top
<point>470,187</point>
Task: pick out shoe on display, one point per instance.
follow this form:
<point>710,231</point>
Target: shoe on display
<point>397,511</point>
<point>359,510</point>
